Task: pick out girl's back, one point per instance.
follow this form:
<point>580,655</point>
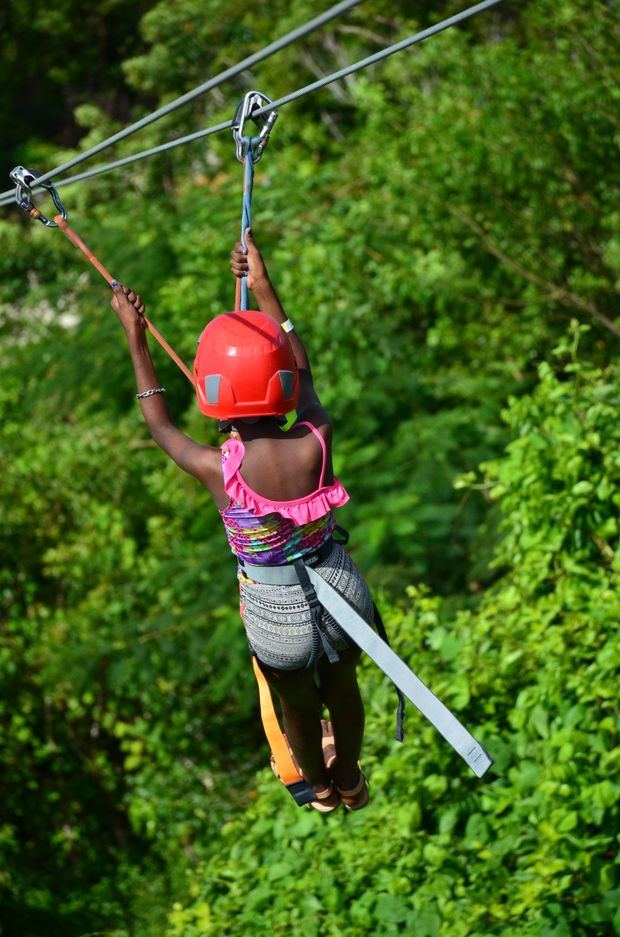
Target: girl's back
<point>283,466</point>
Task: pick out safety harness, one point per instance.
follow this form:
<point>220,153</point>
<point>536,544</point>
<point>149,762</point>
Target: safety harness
<point>322,597</point>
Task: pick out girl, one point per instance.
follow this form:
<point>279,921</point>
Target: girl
<point>276,493</point>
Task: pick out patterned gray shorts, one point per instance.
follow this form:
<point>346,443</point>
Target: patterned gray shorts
<point>277,618</point>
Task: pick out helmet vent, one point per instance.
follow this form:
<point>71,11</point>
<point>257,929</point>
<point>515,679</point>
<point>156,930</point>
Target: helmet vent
<point>212,387</point>
<point>287,382</point>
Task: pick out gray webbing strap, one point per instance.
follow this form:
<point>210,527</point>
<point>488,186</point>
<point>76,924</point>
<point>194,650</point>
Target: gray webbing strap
<point>316,612</point>
<point>390,663</point>
<point>384,657</point>
<point>270,575</point>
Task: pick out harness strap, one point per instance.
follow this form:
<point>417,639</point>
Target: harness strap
<point>400,711</point>
<point>298,787</point>
<point>316,611</point>
<point>81,246</point>
<point>241,292</point>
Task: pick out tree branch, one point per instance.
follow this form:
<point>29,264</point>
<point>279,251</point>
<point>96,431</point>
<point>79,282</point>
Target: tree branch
<point>558,293</point>
<point>365,33</point>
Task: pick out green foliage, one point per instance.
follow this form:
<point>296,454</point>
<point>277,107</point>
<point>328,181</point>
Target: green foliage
<point>51,60</point>
<point>432,225</point>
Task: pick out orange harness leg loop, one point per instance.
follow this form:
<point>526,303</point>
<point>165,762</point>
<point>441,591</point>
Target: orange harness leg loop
<point>285,768</point>
<point>81,246</point>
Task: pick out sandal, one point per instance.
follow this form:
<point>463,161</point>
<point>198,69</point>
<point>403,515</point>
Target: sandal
<point>357,797</point>
<point>326,800</point>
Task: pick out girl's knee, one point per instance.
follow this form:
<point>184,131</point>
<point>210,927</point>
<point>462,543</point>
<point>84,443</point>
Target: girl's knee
<point>345,706</point>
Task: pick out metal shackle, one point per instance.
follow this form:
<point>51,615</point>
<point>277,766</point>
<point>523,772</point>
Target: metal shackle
<point>25,180</point>
<point>253,101</point>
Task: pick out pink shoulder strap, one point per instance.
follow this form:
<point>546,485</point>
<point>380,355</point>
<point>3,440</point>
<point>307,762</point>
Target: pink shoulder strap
<point>323,447</point>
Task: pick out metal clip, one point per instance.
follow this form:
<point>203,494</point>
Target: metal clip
<point>25,180</point>
<point>252,102</point>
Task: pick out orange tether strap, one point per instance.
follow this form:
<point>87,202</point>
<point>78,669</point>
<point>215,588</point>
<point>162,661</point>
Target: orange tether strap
<point>283,761</point>
<point>79,243</point>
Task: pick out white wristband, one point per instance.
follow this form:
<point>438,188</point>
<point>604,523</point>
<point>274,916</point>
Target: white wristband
<point>287,326</point>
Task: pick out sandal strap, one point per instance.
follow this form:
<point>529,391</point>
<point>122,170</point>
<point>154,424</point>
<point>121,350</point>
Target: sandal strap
<point>326,792</point>
<point>322,800</point>
<point>359,787</point>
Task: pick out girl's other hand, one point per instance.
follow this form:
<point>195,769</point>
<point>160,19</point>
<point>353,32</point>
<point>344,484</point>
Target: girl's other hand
<point>250,263</point>
<point>129,307</point>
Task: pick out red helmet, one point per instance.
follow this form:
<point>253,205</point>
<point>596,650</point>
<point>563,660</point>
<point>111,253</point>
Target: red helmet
<point>245,366</point>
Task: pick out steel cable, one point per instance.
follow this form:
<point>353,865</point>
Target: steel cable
<point>208,85</point>
<point>286,99</point>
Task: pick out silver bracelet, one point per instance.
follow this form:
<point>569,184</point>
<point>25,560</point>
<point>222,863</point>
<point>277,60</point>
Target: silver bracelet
<point>287,326</point>
<point>149,393</point>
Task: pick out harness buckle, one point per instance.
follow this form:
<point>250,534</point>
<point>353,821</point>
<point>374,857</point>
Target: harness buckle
<point>25,180</point>
<point>253,101</point>
<point>301,792</point>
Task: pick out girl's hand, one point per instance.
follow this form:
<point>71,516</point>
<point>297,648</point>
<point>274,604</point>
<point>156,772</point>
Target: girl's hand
<point>129,307</point>
<point>249,263</point>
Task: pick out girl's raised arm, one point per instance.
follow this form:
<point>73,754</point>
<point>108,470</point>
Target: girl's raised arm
<point>201,461</point>
<point>252,265</point>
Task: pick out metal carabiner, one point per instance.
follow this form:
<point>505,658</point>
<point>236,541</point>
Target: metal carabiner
<point>25,180</point>
<point>252,102</point>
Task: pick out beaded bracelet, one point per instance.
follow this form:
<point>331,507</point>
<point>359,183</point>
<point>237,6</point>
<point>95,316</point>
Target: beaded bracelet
<point>149,393</point>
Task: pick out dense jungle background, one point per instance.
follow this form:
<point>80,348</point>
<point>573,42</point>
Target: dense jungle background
<point>444,231</point>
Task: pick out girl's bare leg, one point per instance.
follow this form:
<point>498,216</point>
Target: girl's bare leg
<point>340,693</point>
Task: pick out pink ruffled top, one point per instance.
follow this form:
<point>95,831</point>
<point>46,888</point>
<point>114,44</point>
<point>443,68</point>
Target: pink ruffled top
<point>261,530</point>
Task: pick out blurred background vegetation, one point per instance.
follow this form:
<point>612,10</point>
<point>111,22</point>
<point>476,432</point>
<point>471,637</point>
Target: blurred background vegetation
<point>444,231</point>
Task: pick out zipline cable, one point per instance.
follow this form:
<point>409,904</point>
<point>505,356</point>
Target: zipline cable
<point>208,85</point>
<point>280,102</point>
<point>8,197</point>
